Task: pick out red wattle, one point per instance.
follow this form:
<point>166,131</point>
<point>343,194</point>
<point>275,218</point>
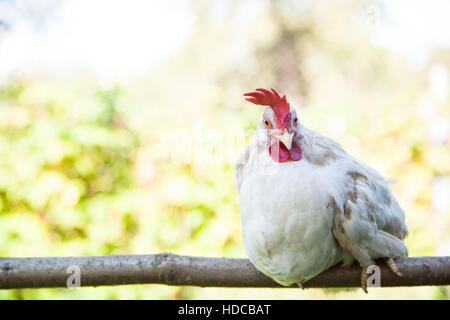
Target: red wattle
<point>295,152</point>
<point>278,152</point>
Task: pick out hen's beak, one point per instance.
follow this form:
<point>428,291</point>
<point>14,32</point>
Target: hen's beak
<point>286,139</point>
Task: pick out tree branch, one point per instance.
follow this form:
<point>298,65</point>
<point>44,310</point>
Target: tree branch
<point>178,270</point>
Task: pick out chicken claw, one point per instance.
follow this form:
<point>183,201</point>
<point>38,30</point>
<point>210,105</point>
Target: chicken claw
<point>364,279</point>
<point>393,267</point>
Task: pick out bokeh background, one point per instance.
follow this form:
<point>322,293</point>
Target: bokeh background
<point>95,96</point>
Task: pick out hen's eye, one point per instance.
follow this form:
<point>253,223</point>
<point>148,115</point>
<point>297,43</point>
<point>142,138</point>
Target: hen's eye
<point>295,121</point>
<point>266,123</point>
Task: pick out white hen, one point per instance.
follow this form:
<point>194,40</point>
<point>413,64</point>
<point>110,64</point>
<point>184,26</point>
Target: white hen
<point>307,205</point>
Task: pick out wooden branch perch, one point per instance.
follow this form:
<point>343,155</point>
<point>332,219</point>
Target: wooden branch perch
<point>170,269</point>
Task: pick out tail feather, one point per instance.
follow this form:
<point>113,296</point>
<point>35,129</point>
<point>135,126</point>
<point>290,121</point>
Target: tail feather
<point>386,245</point>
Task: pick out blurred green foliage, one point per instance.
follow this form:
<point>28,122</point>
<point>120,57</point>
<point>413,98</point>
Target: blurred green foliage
<point>87,167</point>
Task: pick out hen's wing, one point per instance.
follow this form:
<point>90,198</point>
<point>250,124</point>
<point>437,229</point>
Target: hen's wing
<point>368,222</point>
<point>371,224</point>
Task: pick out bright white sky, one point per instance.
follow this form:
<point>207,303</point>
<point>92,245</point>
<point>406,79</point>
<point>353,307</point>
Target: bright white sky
<point>123,38</point>
<point>412,27</point>
<point>117,38</point>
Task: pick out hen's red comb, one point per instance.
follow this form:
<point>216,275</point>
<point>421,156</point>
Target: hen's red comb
<point>271,98</point>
